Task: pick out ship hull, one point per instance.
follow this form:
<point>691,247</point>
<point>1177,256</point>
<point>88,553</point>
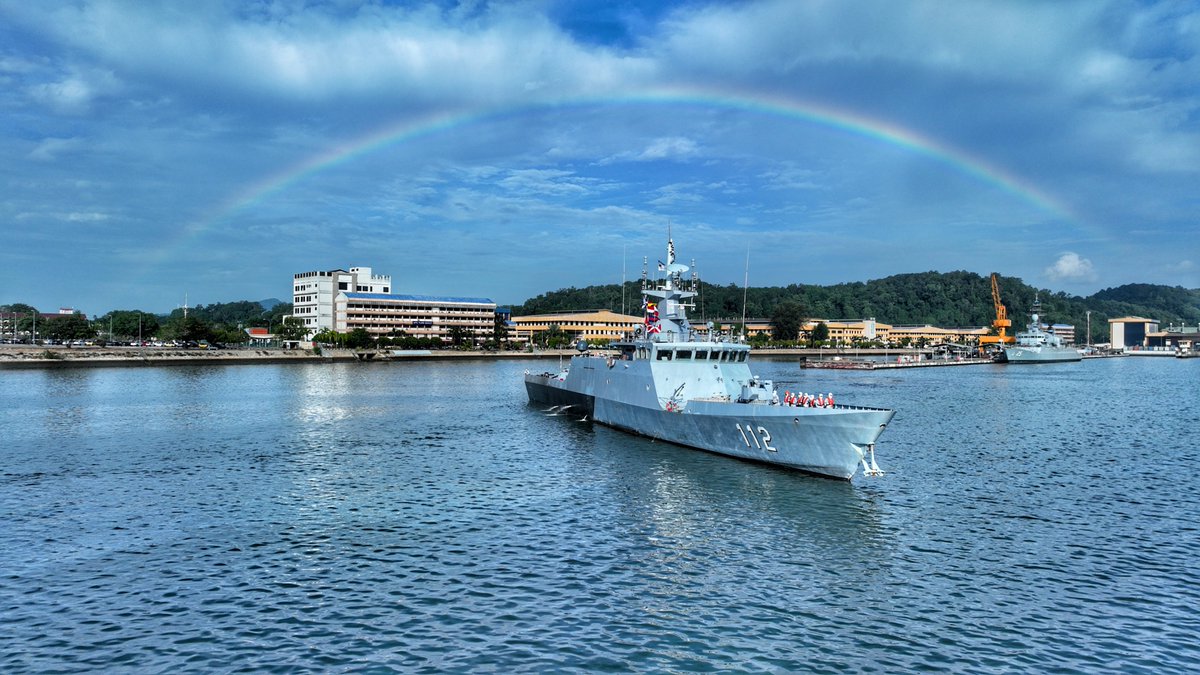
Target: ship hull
<point>830,442</point>
<point>1040,355</point>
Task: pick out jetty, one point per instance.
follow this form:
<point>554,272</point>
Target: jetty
<point>854,364</point>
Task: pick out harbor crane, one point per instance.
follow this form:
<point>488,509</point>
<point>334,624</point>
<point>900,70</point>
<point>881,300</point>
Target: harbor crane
<point>1001,323</point>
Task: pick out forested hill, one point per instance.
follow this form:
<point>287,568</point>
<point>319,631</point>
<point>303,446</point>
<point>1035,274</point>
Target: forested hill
<point>938,298</point>
<point>245,312</point>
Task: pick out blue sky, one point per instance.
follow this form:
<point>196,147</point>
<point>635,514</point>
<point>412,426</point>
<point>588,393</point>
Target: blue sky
<point>157,150</point>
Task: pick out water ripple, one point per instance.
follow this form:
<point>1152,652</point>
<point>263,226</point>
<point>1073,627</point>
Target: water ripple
<point>422,518</point>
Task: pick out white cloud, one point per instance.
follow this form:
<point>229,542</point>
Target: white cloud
<point>969,37</point>
<point>789,177</point>
<point>1071,267</point>
<point>668,148</point>
<point>543,181</point>
<point>679,193</point>
<point>51,148</point>
<point>70,96</point>
<point>317,55</point>
<point>87,217</point>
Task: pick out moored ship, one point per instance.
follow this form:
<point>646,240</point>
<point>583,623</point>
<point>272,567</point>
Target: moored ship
<point>693,387</point>
<point>1035,345</point>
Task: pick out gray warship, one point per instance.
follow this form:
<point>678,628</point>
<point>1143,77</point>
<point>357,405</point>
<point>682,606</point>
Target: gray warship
<point>1035,345</point>
<point>693,387</point>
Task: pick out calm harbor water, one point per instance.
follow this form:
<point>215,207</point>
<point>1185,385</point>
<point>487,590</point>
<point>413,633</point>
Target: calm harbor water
<point>422,517</point>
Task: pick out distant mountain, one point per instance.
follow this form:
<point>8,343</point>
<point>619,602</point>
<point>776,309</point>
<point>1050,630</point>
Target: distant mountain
<point>947,299</point>
<point>270,303</point>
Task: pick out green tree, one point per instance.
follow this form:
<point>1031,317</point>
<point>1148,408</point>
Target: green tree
<point>359,338</point>
<point>290,328</point>
<point>553,337</point>
<point>500,330</point>
<point>819,335</point>
<point>277,313</point>
<point>19,309</point>
<point>129,324</point>
<point>786,320</point>
<point>229,335</point>
<point>190,328</point>
<point>23,315</point>
<point>330,337</point>
<point>70,327</point>
<point>457,335</point>
<point>245,312</point>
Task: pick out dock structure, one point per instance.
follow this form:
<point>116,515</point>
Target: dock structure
<point>899,363</point>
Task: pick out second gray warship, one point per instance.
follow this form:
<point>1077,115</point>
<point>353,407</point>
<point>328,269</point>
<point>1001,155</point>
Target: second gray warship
<point>1035,345</point>
<point>692,387</point>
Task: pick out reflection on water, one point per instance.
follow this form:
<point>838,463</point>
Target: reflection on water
<point>423,516</point>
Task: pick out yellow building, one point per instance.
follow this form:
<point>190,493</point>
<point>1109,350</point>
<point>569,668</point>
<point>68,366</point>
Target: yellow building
<point>601,325</point>
<point>848,332</point>
<point>845,333</point>
<point>935,334</point>
<point>598,325</point>
<point>753,326</point>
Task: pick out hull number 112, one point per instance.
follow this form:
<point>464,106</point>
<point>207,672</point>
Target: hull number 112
<point>760,437</point>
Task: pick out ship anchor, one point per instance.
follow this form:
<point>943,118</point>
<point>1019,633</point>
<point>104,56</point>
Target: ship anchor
<point>871,469</point>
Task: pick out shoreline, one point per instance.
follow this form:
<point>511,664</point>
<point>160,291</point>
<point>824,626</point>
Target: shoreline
<point>25,357</point>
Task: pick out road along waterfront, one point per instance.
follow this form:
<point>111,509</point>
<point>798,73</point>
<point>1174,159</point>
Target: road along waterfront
<point>421,517</point>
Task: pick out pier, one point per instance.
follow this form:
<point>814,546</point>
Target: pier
<point>900,363</point>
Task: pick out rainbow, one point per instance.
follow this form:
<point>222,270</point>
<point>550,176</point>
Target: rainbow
<point>848,122</point>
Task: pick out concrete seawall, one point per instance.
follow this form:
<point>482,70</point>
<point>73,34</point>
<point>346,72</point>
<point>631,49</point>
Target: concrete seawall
<point>19,357</point>
<point>16,357</point>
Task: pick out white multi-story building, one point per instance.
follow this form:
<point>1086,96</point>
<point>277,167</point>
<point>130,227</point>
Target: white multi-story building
<point>314,294</point>
<point>415,315</point>
<point>341,300</point>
